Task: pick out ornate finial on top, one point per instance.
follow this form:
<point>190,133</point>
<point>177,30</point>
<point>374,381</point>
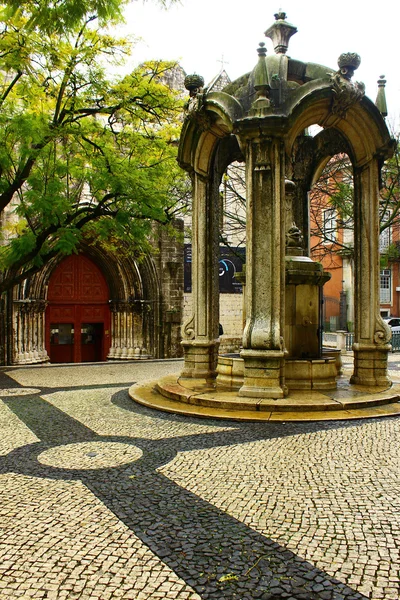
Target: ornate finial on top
<point>194,83</point>
<point>280,33</point>
<point>280,15</point>
<point>348,62</point>
<point>380,101</point>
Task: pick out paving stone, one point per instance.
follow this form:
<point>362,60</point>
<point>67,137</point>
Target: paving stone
<point>102,498</point>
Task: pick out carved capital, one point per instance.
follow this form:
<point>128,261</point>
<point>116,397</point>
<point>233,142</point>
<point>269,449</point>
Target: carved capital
<point>30,306</point>
<point>345,94</point>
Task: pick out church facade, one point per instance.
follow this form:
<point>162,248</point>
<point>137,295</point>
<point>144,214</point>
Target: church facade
<point>95,306</point>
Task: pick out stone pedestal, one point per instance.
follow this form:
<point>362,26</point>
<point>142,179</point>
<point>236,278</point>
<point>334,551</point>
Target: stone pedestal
<point>303,295</point>
<point>370,365</point>
<point>200,359</point>
<point>263,374</point>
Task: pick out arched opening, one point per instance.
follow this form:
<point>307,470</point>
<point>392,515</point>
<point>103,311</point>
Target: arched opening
<point>78,312</point>
<point>232,257</point>
<point>331,202</point>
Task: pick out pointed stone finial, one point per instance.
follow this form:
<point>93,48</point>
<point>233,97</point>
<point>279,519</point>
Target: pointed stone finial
<point>380,102</point>
<point>261,50</point>
<point>261,83</point>
<point>280,33</point>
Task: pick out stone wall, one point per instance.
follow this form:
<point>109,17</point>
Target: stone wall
<point>230,307</point>
<point>170,273</point>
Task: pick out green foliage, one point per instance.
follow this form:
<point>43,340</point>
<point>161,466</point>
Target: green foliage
<point>83,154</point>
<point>58,16</point>
<point>391,254</point>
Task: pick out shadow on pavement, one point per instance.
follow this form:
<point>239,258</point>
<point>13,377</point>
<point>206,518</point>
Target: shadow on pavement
<point>214,553</point>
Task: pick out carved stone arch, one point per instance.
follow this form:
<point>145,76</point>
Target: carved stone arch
<point>204,127</point>
<point>309,157</point>
<point>363,127</point>
<point>207,146</point>
<point>369,144</point>
<point>328,143</point>
<point>151,307</point>
<point>134,299</point>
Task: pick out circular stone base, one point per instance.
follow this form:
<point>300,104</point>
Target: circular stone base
<point>300,374</point>
<point>198,398</point>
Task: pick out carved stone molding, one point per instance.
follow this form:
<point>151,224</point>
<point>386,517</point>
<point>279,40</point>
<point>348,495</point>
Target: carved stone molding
<point>382,333</point>
<point>30,306</point>
<point>346,94</point>
<point>188,332</point>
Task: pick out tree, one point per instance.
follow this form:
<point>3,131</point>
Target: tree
<point>233,209</point>
<point>83,154</point>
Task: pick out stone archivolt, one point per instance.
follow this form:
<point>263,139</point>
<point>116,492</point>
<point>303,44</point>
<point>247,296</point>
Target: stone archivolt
<point>144,302</point>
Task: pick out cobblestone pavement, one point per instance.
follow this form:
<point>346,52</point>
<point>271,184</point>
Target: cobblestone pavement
<point>102,498</point>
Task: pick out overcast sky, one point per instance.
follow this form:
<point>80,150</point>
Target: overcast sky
<point>200,33</point>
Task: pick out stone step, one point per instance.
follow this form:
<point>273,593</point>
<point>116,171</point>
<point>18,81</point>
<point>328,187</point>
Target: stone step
<point>168,395</point>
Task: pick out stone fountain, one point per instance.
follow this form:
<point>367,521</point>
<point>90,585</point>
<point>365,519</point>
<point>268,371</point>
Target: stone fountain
<point>262,119</point>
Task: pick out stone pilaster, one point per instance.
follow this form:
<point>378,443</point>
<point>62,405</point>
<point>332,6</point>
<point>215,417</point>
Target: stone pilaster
<point>262,338</point>
<point>200,333</point>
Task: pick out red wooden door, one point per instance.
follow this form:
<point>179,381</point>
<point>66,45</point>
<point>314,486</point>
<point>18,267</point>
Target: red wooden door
<point>78,313</point>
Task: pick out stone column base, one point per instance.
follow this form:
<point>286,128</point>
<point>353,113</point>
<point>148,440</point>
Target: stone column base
<point>200,359</point>
<point>263,374</point>
<point>370,365</point>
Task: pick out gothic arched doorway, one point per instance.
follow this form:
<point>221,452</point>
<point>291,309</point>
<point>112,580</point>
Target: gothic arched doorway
<point>78,312</point>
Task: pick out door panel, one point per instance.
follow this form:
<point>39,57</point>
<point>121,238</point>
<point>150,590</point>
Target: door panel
<point>91,342</point>
<point>62,342</point>
<point>78,296</point>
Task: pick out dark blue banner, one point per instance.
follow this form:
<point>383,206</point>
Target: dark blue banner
<point>231,261</point>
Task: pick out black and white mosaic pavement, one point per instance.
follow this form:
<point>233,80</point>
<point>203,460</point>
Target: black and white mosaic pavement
<point>102,498</point>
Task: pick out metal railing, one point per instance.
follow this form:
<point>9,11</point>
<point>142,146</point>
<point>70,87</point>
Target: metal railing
<point>330,339</point>
<point>395,341</point>
<point>349,337</point>
<point>345,340</point>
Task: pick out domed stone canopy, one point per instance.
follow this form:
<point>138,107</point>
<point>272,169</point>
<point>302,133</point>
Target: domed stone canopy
<point>262,120</point>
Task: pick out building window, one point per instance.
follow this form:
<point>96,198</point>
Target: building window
<point>329,227</point>
<point>386,287</point>
<point>384,239</point>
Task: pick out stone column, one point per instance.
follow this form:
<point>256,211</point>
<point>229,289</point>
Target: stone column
<point>112,352</point>
<point>200,333</point>
<point>124,331</point>
<point>262,338</point>
<point>40,309</point>
<point>18,324</point>
<point>137,341</point>
<point>372,335</point>
<point>131,348</point>
<point>29,332</point>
